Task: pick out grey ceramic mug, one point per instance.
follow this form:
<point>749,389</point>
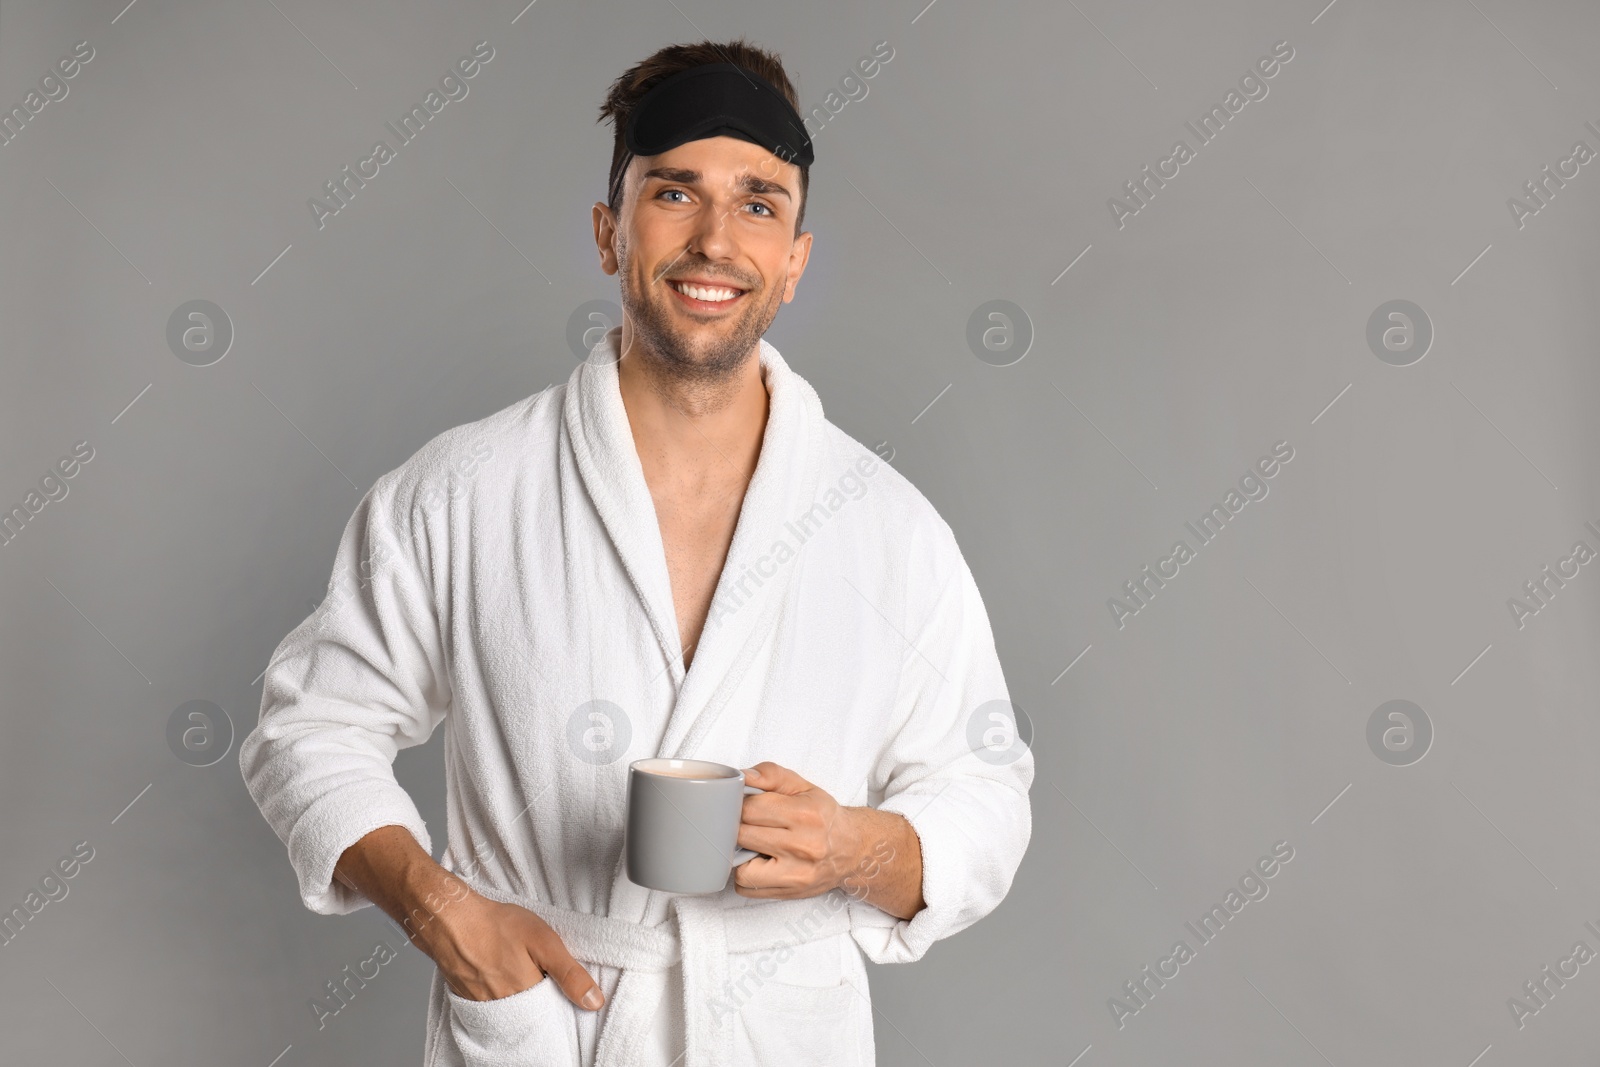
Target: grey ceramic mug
<point>683,824</point>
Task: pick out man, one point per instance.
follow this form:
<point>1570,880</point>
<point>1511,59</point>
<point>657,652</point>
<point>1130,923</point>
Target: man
<point>673,554</point>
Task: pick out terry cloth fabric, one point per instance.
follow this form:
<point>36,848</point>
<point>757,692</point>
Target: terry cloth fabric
<point>509,581</point>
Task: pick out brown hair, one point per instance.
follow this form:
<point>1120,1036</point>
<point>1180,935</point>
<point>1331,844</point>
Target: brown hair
<point>626,91</point>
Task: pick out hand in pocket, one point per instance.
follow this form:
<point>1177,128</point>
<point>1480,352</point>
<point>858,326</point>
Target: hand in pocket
<point>486,950</point>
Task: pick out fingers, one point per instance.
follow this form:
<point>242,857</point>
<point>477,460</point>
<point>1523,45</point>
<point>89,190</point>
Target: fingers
<point>775,778</point>
<point>557,963</point>
<point>767,809</point>
<point>767,840</point>
<point>758,873</point>
<point>773,872</point>
<point>510,951</point>
<point>792,802</point>
<point>773,879</point>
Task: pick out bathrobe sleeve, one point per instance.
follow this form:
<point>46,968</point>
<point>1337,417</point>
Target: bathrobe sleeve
<point>971,815</point>
<point>359,679</point>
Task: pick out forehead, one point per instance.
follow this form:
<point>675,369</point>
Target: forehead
<point>720,161</point>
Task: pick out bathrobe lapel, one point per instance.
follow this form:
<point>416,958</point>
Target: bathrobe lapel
<point>746,604</point>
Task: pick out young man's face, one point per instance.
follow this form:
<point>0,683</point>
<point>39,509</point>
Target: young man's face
<point>719,212</point>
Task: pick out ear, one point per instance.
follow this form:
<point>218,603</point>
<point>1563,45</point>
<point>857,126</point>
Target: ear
<point>799,256</point>
<point>605,235</point>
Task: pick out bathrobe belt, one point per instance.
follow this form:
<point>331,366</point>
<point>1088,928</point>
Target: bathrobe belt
<point>699,934</point>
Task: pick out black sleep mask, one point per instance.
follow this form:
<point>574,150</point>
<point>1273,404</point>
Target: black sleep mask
<point>715,99</point>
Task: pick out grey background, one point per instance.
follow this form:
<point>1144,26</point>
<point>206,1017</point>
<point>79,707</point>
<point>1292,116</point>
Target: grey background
<point>1226,316</point>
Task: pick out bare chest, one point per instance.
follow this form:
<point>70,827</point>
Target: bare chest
<point>696,532</point>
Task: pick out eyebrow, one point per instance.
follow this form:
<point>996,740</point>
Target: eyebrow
<point>750,183</point>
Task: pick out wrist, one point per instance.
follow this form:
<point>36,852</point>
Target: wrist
<point>855,876</point>
<point>888,869</point>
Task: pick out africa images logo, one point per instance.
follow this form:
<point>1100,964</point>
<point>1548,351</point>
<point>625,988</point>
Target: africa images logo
<point>1253,485</point>
<point>454,86</point>
<point>1252,85</point>
<point>1252,888</point>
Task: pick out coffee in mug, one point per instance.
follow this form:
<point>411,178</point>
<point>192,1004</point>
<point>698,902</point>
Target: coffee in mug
<point>683,824</point>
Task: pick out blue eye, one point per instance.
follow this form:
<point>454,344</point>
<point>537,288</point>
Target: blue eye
<point>762,206</point>
<point>664,192</point>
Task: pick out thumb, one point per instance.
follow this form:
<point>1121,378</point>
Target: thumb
<point>775,778</point>
<point>578,985</point>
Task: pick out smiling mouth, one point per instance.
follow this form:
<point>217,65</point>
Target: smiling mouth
<point>706,297</point>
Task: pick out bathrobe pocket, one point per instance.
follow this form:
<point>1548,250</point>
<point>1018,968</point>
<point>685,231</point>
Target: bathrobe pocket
<point>533,1028</point>
<point>785,1025</point>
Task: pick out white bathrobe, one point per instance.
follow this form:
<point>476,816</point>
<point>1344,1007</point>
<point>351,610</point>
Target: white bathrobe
<point>509,581</point>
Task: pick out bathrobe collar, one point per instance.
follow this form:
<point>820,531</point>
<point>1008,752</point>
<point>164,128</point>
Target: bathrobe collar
<point>783,487</point>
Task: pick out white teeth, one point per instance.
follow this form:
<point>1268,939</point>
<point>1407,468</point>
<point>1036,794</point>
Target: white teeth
<point>699,292</point>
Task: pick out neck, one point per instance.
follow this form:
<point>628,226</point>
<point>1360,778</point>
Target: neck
<point>693,430</point>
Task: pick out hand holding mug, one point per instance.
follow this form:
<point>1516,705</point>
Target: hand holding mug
<point>805,842</point>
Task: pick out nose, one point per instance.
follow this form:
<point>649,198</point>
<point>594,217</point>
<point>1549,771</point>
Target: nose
<point>712,237</point>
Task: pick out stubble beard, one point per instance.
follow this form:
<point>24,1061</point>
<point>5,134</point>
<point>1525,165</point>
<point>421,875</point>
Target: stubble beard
<point>672,354</point>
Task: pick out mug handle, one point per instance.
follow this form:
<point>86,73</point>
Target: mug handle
<point>744,855</point>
